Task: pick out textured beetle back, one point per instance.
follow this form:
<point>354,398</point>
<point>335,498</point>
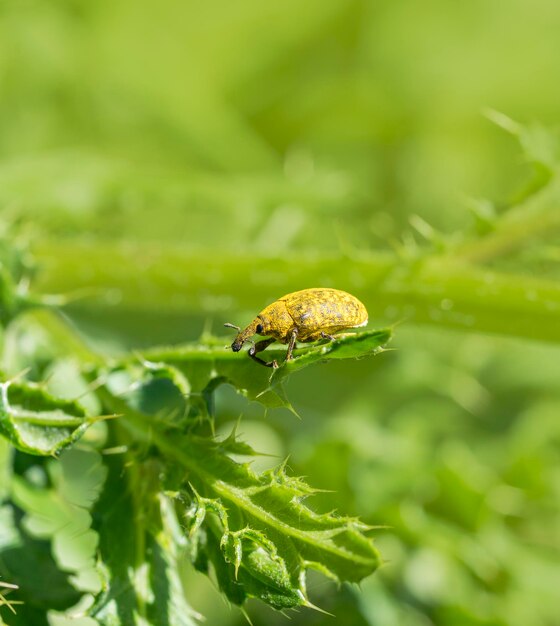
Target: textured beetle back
<point>327,310</point>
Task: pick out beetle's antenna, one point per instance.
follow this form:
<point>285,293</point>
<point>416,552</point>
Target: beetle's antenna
<point>227,325</point>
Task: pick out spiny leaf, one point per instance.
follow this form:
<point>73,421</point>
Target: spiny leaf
<point>350,346</point>
<point>204,364</point>
<point>170,605</point>
<point>140,569</point>
<point>36,422</point>
<point>254,528</point>
<point>250,564</point>
<point>268,526</point>
<point>153,389</point>
<point>233,445</point>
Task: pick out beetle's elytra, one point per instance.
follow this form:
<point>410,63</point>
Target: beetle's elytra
<point>306,315</point>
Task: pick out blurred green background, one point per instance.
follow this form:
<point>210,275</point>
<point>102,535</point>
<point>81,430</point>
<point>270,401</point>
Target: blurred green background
<point>148,129</point>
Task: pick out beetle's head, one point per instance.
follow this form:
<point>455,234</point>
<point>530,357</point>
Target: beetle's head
<point>237,344</point>
<point>255,327</point>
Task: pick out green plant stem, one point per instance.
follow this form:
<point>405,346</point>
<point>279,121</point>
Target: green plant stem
<point>432,290</point>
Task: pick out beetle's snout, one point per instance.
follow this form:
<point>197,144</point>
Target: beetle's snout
<point>242,337</point>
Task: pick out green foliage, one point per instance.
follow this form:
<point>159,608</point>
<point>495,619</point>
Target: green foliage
<point>61,514</point>
<point>165,170</point>
<point>36,422</point>
<point>253,528</point>
<point>176,483</point>
<point>206,366</point>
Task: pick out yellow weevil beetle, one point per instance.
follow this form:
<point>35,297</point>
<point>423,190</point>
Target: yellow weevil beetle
<point>306,315</point>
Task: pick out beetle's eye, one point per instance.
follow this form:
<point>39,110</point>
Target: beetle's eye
<point>259,329</point>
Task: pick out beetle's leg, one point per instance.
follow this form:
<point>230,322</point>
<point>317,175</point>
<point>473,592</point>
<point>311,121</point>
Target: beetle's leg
<point>291,345</point>
<point>259,347</point>
<point>327,336</point>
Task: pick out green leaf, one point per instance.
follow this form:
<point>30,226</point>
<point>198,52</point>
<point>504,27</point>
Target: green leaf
<point>264,518</point>
<point>204,366</point>
<point>61,514</point>
<point>36,422</point>
<point>5,468</point>
<point>350,346</point>
<point>28,563</point>
<point>257,572</point>
<point>169,548</point>
<point>139,563</point>
<point>119,553</point>
<point>267,536</point>
<point>9,304</point>
<point>15,271</point>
